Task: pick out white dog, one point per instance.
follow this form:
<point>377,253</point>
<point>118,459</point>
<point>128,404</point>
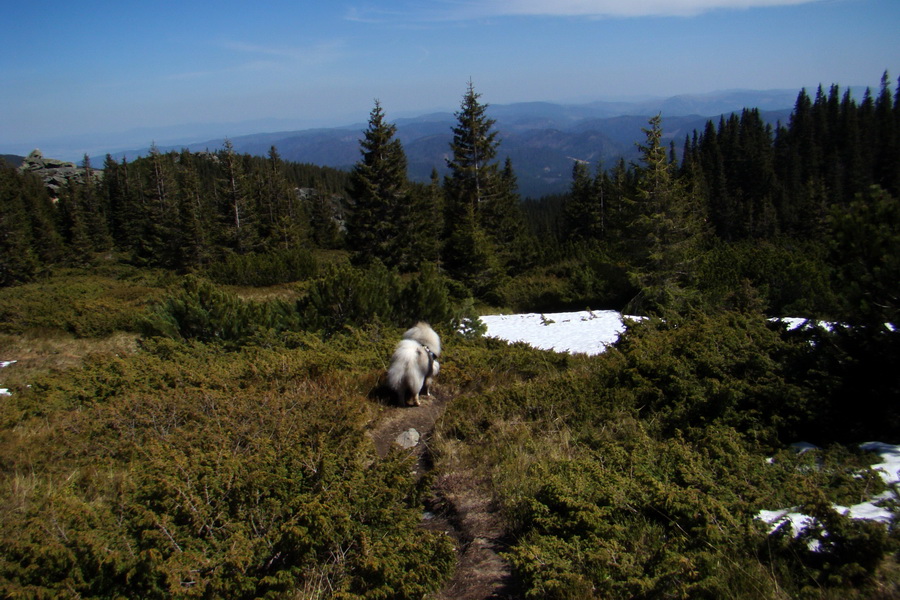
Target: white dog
<point>414,363</point>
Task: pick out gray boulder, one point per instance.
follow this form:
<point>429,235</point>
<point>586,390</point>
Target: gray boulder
<point>55,173</point>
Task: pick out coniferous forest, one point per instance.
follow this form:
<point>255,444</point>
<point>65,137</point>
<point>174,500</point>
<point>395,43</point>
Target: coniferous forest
<point>199,343</point>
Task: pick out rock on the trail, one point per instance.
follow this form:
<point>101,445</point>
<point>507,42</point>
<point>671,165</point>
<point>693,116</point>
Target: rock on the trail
<point>408,439</point>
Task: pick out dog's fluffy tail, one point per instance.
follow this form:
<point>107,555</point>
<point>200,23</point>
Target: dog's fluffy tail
<point>410,366</point>
<point>425,335</point>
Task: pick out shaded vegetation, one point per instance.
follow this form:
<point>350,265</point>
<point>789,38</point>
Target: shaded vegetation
<point>639,473</point>
<point>185,471</point>
<point>243,310</point>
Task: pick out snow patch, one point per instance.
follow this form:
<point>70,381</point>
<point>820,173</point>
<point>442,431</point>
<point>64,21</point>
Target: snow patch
<point>584,332</point>
<point>890,454</point>
<point>870,511</point>
<point>592,332</point>
<point>3,364</point>
<point>801,447</point>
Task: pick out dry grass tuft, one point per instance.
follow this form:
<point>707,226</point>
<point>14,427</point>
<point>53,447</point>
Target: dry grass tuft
<point>40,352</point>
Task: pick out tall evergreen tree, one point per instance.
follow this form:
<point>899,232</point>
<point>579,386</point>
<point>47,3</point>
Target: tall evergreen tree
<point>289,221</point>
<point>18,261</point>
<point>192,244</point>
<point>157,212</point>
<point>619,188</point>
<point>426,224</point>
<point>887,146</point>
<point>579,203</point>
<point>380,192</point>
<point>852,151</point>
<point>74,226</point>
<point>95,213</point>
<point>111,188</point>
<point>504,222</point>
<point>238,216</point>
<point>665,232</point>
<point>469,254</point>
<point>46,240</point>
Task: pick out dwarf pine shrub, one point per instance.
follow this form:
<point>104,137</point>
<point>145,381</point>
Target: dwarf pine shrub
<point>640,473</point>
<point>264,269</point>
<point>84,305</point>
<point>188,471</point>
<point>201,311</point>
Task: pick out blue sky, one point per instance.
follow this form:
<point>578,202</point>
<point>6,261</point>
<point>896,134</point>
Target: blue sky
<point>89,67</point>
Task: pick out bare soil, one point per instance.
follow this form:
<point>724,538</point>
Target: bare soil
<point>459,505</point>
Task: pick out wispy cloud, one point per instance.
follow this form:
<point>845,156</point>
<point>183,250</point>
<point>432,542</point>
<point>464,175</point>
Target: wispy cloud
<point>315,54</point>
<point>627,8</point>
<point>249,58</point>
<point>243,67</point>
<point>460,10</point>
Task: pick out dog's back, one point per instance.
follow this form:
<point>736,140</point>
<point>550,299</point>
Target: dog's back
<point>425,335</point>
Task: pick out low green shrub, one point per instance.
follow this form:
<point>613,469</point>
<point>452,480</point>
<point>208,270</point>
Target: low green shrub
<point>788,277</point>
<point>188,471</point>
<point>351,296</point>
<point>201,311</point>
<point>85,305</point>
<point>272,268</point>
<point>640,473</point>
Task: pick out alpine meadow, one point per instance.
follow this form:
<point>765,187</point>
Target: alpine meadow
<point>194,354</point>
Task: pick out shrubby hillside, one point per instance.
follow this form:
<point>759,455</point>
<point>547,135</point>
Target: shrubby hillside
<point>201,340</point>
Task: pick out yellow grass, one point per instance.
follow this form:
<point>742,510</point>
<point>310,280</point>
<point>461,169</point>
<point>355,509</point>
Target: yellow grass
<point>37,353</point>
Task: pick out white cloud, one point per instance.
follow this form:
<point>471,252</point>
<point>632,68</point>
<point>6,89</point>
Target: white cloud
<point>474,9</point>
<point>625,8</point>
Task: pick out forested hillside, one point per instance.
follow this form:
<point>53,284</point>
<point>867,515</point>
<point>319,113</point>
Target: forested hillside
<point>200,342</point>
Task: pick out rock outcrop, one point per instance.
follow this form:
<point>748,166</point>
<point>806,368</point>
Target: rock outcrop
<point>55,173</point>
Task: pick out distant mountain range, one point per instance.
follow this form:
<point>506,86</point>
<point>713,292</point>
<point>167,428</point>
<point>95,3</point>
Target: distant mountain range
<point>542,139</point>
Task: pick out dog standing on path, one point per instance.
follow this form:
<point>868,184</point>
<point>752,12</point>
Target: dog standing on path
<point>414,363</point>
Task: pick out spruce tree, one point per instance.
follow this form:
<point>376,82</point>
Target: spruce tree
<point>505,223</point>
<point>46,240</point>
<point>887,147</point>
<point>855,177</point>
<point>18,261</point>
<point>236,206</point>
<point>380,192</point>
<point>192,247</point>
<point>665,232</point>
<point>74,225</point>
<point>111,188</point>
<point>469,254</point>
<point>577,207</point>
<point>620,188</point>
<point>95,213</point>
<point>157,213</point>
<point>288,222</point>
<point>426,224</point>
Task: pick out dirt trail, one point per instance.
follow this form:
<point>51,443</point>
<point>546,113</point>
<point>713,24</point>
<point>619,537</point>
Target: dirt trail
<point>459,505</point>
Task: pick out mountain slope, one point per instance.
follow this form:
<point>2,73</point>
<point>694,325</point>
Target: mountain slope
<point>542,139</point>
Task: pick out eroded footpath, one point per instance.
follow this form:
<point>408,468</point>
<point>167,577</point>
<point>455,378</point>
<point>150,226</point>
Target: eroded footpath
<point>459,504</point>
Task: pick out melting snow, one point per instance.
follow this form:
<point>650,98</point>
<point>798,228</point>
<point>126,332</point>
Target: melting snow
<point>591,332</point>
<point>6,363</point>
<point>587,332</point>
<point>890,472</point>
